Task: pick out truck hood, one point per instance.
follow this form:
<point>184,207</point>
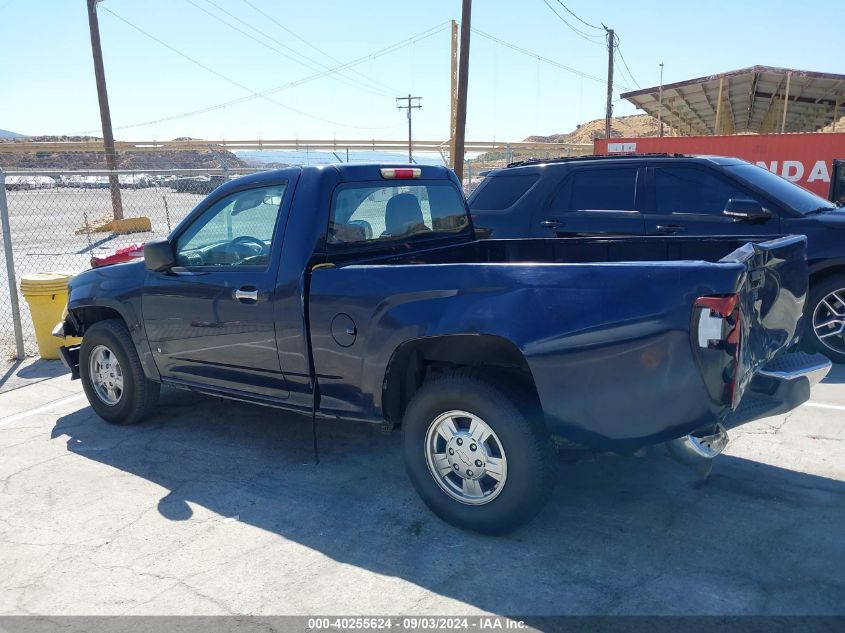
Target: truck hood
<point>834,219</point>
<point>111,279</point>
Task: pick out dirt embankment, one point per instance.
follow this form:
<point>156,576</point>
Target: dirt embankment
<point>137,161</point>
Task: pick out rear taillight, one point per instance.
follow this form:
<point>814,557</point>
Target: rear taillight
<point>719,328</point>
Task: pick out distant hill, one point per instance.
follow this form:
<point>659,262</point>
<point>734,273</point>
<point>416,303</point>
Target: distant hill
<point>137,161</point>
<point>635,125</point>
<point>8,134</point>
<point>840,126</point>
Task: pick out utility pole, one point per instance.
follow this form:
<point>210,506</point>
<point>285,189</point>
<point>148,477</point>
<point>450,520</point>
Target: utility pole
<point>611,44</point>
<point>660,98</point>
<point>105,115</point>
<point>463,84</point>
<point>453,93</point>
<point>409,106</point>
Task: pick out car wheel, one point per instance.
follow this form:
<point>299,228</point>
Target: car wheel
<point>111,374</point>
<point>824,316</point>
<point>477,452</point>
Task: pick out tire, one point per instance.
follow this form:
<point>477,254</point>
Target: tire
<point>817,312</point>
<point>109,341</point>
<point>526,469</point>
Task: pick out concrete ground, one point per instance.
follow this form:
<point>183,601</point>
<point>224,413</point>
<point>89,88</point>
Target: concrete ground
<point>213,507</point>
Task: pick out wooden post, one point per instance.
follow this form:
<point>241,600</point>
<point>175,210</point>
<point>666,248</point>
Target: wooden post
<point>785,104</point>
<point>105,115</point>
<point>836,111</point>
<point>463,85</point>
<point>718,127</point>
<point>608,114</point>
<point>454,94</point>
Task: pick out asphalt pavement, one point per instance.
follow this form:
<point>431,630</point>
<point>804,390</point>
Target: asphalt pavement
<point>214,507</point>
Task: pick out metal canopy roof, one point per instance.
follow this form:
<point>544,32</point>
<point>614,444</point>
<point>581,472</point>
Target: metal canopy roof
<point>760,99</point>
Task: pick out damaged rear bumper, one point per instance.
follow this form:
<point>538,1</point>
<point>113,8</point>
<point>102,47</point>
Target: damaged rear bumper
<point>783,384</point>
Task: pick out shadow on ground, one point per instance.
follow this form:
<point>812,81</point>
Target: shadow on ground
<point>620,535</point>
<point>19,373</point>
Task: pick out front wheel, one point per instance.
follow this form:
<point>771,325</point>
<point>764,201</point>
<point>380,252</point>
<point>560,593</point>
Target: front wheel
<point>825,319</point>
<point>477,453</point>
<point>111,374</point>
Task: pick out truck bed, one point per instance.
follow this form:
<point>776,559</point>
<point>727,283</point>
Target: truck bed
<point>573,250</point>
<point>589,315</point>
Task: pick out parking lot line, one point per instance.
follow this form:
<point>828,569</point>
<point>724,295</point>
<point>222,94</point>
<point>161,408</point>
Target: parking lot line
<point>46,407</point>
<point>824,405</point>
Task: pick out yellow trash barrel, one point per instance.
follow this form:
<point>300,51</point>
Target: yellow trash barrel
<point>46,294</point>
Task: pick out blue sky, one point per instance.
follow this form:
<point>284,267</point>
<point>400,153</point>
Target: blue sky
<point>48,81</point>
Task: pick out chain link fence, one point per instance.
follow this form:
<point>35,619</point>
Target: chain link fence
<point>58,222</point>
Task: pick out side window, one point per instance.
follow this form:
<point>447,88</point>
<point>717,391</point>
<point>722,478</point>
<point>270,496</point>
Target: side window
<point>501,191</point>
<point>370,212</point>
<point>691,190</point>
<point>598,190</point>
<point>236,230</point>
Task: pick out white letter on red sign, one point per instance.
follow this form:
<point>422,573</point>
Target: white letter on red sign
<point>789,174</point>
<point>819,172</point>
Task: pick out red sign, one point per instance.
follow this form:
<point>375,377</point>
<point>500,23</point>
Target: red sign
<point>805,159</point>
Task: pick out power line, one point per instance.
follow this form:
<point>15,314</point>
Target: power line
<point>585,36</point>
<point>360,60</point>
<point>389,90</point>
<point>312,46</point>
<point>233,81</point>
<point>574,15</point>
<point>624,63</point>
<point>545,60</point>
<point>314,65</point>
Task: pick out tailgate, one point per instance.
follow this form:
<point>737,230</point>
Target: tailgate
<point>740,333</point>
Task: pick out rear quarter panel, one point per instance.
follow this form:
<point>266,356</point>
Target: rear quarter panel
<point>608,344</point>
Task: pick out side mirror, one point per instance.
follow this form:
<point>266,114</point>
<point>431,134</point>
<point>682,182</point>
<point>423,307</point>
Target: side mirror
<point>159,255</point>
<point>747,210</point>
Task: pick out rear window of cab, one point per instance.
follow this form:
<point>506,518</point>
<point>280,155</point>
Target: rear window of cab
<point>373,212</point>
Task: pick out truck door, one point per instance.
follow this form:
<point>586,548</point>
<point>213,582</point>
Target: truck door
<point>837,182</point>
<point>691,200</point>
<point>209,320</point>
<point>594,200</point>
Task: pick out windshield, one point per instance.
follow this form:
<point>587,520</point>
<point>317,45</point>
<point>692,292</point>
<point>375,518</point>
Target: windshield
<point>795,197</point>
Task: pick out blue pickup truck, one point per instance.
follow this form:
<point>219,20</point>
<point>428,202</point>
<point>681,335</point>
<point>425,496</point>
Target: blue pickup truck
<point>360,292</point>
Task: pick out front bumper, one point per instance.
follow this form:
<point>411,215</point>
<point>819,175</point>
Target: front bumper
<point>70,359</point>
<point>783,384</point>
<point>68,353</point>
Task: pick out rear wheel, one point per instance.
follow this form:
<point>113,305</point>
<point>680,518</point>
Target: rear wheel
<point>825,318</point>
<point>476,452</point>
<point>111,374</point>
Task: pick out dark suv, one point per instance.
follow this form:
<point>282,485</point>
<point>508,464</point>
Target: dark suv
<point>665,194</point>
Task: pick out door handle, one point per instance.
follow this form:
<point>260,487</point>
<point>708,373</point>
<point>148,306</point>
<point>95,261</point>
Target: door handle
<point>246,296</point>
<point>552,224</point>
<point>670,229</point>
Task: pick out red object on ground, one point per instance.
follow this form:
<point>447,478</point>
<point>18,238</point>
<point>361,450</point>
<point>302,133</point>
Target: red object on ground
<point>121,255</point>
<point>805,159</point>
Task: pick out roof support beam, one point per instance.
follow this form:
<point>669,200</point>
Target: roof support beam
<point>701,124</point>
<point>751,100</point>
<point>712,108</point>
<point>767,124</point>
<point>785,103</point>
<point>717,128</point>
